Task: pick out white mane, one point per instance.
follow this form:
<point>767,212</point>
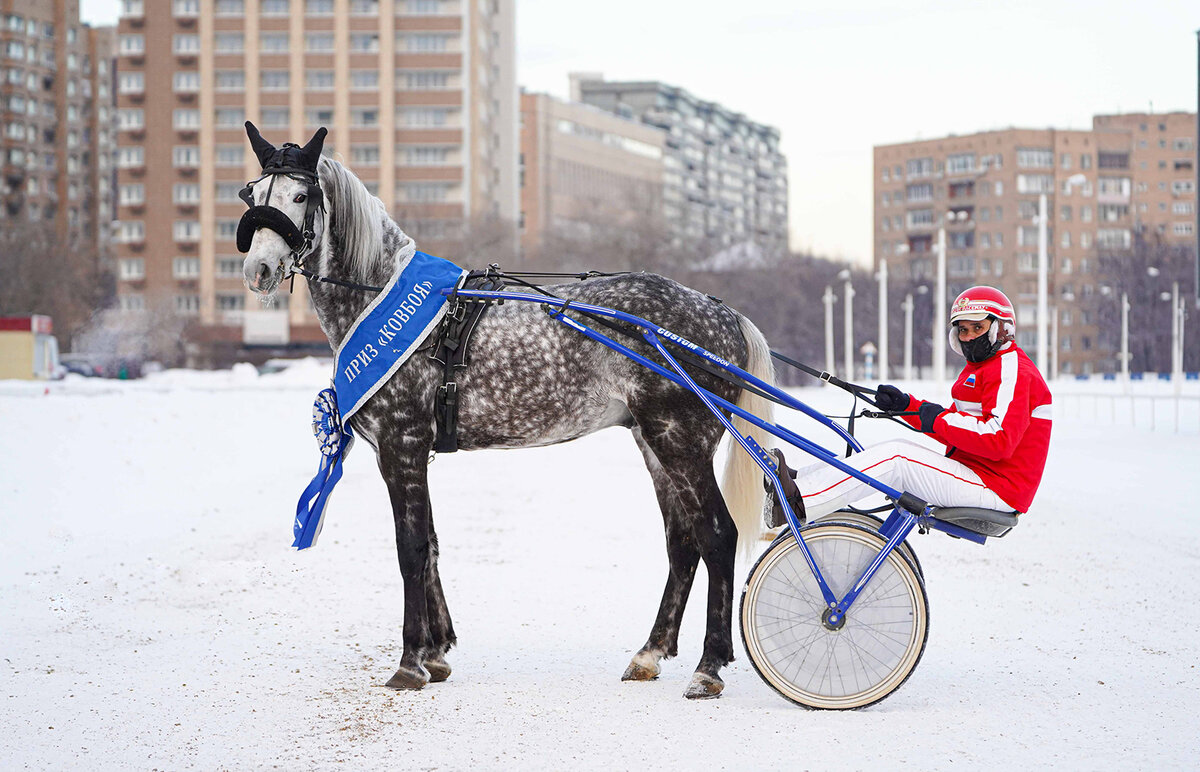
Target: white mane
<point>360,219</point>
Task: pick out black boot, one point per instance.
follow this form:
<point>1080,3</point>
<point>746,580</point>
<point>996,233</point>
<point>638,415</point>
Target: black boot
<point>773,511</point>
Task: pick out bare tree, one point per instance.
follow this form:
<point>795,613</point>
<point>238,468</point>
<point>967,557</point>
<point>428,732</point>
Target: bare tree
<point>44,275</point>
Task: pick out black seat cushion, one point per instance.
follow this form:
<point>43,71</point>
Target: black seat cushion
<point>986,522</point>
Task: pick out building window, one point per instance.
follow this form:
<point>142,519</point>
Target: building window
<point>318,116</point>
<point>1183,186</point>
<point>186,44</point>
<point>421,7</point>
<point>425,80</point>
<point>318,80</point>
<point>127,83</point>
<point>127,45</point>
<point>364,43</point>
<point>364,116</point>
<point>229,42</point>
<point>1065,241</point>
<point>1113,238</point>
<point>318,42</point>
<point>364,7</point>
<point>227,192</point>
<point>1035,183</point>
<point>230,7</point>
<point>229,267</point>
<point>130,231</point>
<point>187,305</point>
<point>426,116</point>
<point>424,42</point>
<point>187,230</point>
<point>274,8</point>
<point>132,8</point>
<point>185,119</point>
<point>231,302</point>
<point>130,119</point>
<point>230,80</point>
<point>131,303</point>
<point>1110,160</point>
<point>919,193</point>
<point>960,163</point>
<point>275,117</point>
<point>364,80</point>
<point>919,167</point>
<point>230,155</point>
<point>920,217</point>
<point>273,42</point>
<point>275,80</point>
<point>131,194</point>
<point>129,157</point>
<point>185,193</point>
<point>318,7</point>
<point>364,154</point>
<point>227,229</point>
<point>186,156</point>
<point>186,82</point>
<point>1035,158</point>
<point>1182,229</point>
<point>230,117</point>
<point>131,268</point>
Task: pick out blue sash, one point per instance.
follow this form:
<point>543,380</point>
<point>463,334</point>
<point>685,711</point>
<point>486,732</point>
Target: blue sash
<point>382,338</point>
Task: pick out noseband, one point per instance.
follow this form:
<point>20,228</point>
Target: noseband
<point>300,241</point>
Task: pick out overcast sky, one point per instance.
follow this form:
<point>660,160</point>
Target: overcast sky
<point>838,78</point>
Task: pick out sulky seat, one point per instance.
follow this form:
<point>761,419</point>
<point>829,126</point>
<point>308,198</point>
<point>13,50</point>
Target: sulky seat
<point>985,522</point>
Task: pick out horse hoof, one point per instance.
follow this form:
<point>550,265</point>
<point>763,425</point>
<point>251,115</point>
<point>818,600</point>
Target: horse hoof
<point>643,667</point>
<point>704,687</point>
<point>439,670</point>
<point>408,678</point>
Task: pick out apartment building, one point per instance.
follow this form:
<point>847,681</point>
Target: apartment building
<point>419,97</point>
<point>724,179</point>
<point>1124,179</point>
<point>583,168</point>
<point>56,138</point>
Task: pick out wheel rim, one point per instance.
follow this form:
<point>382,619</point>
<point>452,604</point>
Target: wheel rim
<point>871,523</point>
<point>803,659</point>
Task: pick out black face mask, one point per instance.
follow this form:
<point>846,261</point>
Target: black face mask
<point>978,349</point>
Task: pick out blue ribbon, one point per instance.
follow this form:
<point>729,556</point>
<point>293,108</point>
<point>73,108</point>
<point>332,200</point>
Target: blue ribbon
<point>385,334</point>
<point>334,439</point>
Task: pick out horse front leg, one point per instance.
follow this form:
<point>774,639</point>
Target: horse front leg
<point>440,627</point>
<point>405,475</point>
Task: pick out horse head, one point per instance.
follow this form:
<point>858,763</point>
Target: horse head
<point>286,218</point>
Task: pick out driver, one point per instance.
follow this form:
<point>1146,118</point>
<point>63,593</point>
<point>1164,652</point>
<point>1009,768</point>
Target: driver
<point>996,434</point>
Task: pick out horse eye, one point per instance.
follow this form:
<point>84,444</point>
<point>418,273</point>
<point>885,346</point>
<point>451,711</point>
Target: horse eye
<point>300,197</point>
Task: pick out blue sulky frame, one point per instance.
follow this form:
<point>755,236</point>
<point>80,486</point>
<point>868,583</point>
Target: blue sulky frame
<point>908,512</point>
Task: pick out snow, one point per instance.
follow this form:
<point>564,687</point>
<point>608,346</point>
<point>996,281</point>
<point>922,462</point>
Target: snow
<point>152,614</point>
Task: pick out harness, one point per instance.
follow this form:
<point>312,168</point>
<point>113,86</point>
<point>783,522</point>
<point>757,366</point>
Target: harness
<point>267,216</point>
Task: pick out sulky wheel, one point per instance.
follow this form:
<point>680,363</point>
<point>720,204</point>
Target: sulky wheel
<point>833,667</point>
<point>872,523</point>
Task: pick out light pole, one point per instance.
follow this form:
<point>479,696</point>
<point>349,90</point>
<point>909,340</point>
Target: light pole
<point>1043,279</point>
<point>939,307</point>
<point>883,319</point>
<point>908,359</point>
<point>829,299</point>
<point>848,316</point>
<point>1125,338</point>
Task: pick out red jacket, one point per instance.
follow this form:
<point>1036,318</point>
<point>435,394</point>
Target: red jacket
<point>999,425</point>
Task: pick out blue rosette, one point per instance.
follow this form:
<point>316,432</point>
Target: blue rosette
<point>333,440</point>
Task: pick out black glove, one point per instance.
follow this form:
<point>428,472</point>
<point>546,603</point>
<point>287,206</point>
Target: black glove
<point>929,411</point>
<point>890,399</point>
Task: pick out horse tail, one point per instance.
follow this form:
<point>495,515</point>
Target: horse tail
<point>742,481</point>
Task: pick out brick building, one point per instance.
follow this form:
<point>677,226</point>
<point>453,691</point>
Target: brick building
<point>419,98</point>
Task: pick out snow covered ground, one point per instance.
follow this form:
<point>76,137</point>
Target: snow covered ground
<point>153,616</point>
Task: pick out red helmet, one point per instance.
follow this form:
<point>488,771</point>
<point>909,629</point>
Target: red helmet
<point>979,303</point>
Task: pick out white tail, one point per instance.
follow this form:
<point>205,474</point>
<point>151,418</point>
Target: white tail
<point>741,484</point>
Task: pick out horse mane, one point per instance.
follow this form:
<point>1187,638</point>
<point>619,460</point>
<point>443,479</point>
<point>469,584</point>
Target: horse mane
<point>359,221</point>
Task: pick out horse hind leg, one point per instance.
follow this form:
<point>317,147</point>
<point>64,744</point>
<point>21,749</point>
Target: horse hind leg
<point>691,504</point>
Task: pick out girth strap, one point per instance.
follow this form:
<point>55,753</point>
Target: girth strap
<point>451,350</point>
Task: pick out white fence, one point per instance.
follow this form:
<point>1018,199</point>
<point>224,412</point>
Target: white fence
<point>1155,409</point>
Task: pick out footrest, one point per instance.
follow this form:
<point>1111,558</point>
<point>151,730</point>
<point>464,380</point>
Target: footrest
<point>987,522</point>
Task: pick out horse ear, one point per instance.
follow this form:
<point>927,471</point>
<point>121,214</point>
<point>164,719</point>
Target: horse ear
<point>310,154</point>
<point>262,148</point>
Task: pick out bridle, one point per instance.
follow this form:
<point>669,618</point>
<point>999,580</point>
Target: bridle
<point>299,240</point>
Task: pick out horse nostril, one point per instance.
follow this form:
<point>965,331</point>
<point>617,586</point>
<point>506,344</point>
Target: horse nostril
<point>264,273</point>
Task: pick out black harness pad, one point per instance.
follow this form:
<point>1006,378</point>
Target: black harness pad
<point>267,217</point>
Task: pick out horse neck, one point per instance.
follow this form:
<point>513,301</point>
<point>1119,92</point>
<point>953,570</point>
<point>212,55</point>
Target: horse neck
<point>337,307</point>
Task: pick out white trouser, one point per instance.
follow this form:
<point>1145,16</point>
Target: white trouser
<point>903,465</point>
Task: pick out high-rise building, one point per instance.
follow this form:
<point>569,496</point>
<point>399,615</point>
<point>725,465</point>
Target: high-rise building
<point>584,168</point>
<point>1129,178</point>
<point>725,180</point>
<point>55,108</point>
<point>419,97</point>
